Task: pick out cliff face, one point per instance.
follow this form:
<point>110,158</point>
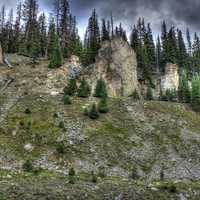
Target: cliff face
<point>171,78</point>
<point>1,55</point>
<point>116,63</point>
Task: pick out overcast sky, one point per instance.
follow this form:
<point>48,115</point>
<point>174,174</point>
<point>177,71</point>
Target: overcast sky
<point>181,13</point>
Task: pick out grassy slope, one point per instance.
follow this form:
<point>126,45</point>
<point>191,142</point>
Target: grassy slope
<point>114,145</point>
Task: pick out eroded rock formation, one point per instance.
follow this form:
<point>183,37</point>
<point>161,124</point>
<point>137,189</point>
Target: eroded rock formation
<point>170,80</point>
<point>1,55</point>
<point>116,63</point>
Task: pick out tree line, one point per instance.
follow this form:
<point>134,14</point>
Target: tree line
<point>56,36</point>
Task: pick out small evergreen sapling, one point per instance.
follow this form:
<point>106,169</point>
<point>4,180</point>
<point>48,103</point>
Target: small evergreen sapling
<point>84,89</point>
<point>103,106</point>
<point>149,94</point>
<point>93,113</point>
<point>67,100</point>
<point>100,90</point>
<point>71,88</point>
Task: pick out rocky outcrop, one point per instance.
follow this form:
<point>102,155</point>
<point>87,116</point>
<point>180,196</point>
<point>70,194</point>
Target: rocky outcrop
<point>1,55</point>
<point>170,80</point>
<point>116,63</point>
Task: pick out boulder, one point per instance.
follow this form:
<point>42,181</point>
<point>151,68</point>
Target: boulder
<point>116,63</point>
<point>170,80</point>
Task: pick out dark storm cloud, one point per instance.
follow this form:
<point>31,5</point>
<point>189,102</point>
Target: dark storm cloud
<point>181,13</point>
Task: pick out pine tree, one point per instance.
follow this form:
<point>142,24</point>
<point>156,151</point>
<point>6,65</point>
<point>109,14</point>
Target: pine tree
<point>84,89</point>
<point>184,92</point>
<point>196,54</point>
<point>92,37</point>
<point>182,52</point>
<point>149,94</point>
<point>71,88</point>
<point>103,106</point>
<point>67,100</point>
<point>164,39</point>
<point>17,28</point>
<point>30,12</point>
<point>56,57</point>
<point>93,113</point>
<point>42,34</point>
<point>100,90</point>
<point>158,55</point>
<point>172,51</point>
<point>189,43</point>
<point>104,31</point>
<point>150,47</point>
<point>195,97</point>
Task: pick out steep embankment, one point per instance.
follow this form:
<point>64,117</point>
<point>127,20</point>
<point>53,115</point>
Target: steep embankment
<point>127,149</point>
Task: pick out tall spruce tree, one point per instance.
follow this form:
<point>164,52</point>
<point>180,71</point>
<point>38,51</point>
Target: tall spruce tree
<point>56,56</point>
<point>195,97</point>
<point>182,52</point>
<point>104,31</point>
<point>92,38</point>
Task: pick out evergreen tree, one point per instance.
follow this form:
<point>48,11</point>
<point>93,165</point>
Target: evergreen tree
<point>92,37</point>
<point>71,88</point>
<point>196,54</point>
<point>172,51</point>
<point>84,89</point>
<point>103,106</point>
<point>67,100</point>
<point>158,55</point>
<point>195,97</point>
<point>17,28</point>
<point>164,39</point>
<point>30,12</point>
<point>56,57</point>
<point>100,90</point>
<point>182,52</point>
<point>93,113</point>
<point>189,43</point>
<point>150,47</point>
<point>42,34</point>
<point>105,32</point>
<point>149,94</point>
<point>184,92</point>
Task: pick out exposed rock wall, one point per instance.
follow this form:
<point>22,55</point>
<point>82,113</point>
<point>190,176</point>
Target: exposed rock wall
<point>170,80</point>
<point>1,55</point>
<point>116,63</point>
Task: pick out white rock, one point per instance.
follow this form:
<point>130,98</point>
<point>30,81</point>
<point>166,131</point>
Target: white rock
<point>29,147</point>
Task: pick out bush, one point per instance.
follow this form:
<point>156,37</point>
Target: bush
<point>67,100</point>
<point>103,106</point>
<point>71,88</point>
<point>196,93</point>
<point>93,113</point>
<point>149,94</point>
<point>72,172</point>
<point>134,173</point>
<point>94,178</point>
<point>60,149</point>
<point>61,124</point>
<point>28,166</point>
<point>84,89</point>
<point>135,95</point>
<point>100,90</point>
<point>27,111</point>
<point>71,180</point>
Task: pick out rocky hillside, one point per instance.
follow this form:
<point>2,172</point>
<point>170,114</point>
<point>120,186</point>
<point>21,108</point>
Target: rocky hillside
<point>139,150</point>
